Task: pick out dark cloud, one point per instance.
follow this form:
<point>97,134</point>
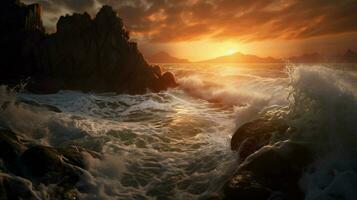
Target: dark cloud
<point>55,6</point>
<point>53,9</point>
<point>245,20</point>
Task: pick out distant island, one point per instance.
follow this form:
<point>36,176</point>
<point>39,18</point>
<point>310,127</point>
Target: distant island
<point>242,58</point>
<point>164,57</point>
<point>349,56</point>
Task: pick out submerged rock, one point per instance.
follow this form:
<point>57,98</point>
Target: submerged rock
<point>84,54</point>
<point>270,171</point>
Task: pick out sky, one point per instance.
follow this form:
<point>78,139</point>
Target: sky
<point>203,29</point>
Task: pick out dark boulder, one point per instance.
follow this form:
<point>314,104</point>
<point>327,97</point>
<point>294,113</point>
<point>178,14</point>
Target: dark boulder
<point>10,150</point>
<point>39,161</point>
<point>269,171</point>
<point>15,188</point>
<point>168,80</point>
<point>53,166</point>
<point>23,168</point>
<point>253,135</point>
<point>45,165</point>
<point>245,186</point>
<point>75,156</point>
<point>157,70</point>
<point>164,82</point>
<point>60,166</point>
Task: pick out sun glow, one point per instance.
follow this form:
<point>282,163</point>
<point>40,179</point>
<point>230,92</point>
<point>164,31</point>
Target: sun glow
<point>209,49</point>
<point>197,50</point>
<point>231,51</point>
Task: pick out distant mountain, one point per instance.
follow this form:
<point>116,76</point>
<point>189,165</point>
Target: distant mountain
<point>164,57</point>
<point>348,57</point>
<point>242,58</point>
<point>309,58</point>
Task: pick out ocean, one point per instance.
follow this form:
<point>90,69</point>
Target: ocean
<point>176,144</point>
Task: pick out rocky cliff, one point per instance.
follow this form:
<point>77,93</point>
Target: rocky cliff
<point>20,37</point>
<point>84,54</point>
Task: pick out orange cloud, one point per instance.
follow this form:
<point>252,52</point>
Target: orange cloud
<point>244,20</point>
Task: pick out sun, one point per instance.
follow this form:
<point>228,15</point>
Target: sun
<point>231,51</point>
<point>203,49</point>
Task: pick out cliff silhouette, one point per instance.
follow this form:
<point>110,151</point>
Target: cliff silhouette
<point>84,54</point>
<point>242,58</point>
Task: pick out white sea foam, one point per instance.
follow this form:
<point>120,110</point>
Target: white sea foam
<point>324,113</point>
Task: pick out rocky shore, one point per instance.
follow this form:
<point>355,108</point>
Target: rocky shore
<point>26,166</point>
<point>84,54</point>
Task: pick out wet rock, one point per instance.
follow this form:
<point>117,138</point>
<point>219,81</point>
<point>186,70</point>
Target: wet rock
<point>40,160</point>
<point>15,188</point>
<point>47,165</point>
<point>244,186</point>
<point>10,149</point>
<point>75,156</point>
<point>23,166</point>
<point>271,169</point>
<point>167,80</point>
<point>157,70</point>
<point>5,105</point>
<point>253,135</point>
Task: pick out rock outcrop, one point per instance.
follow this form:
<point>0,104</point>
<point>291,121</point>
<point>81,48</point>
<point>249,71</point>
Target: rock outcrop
<point>84,54</point>
<point>271,172</point>
<point>269,169</point>
<point>253,135</point>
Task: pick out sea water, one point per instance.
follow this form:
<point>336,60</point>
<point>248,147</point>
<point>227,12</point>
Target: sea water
<point>176,144</point>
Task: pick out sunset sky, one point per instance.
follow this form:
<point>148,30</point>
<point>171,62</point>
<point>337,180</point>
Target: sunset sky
<point>202,29</point>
